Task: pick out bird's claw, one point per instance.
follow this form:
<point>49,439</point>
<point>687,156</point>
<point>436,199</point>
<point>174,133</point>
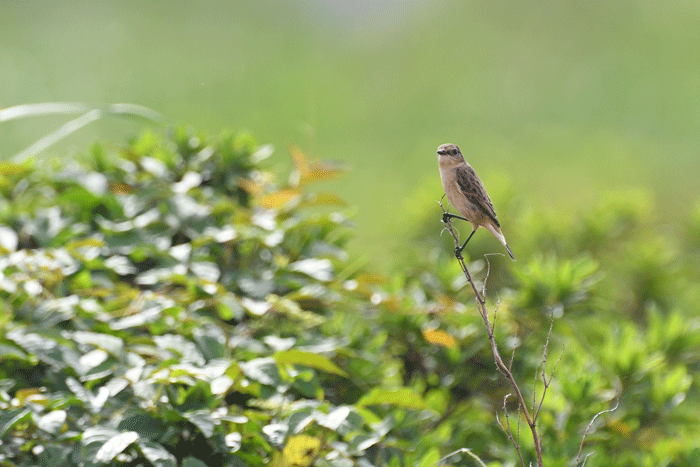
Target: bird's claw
<point>458,253</point>
<point>445,217</point>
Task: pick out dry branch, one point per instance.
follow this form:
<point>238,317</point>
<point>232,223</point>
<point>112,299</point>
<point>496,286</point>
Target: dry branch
<point>502,367</point>
<point>530,414</point>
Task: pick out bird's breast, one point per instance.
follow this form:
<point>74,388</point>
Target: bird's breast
<point>457,199</point>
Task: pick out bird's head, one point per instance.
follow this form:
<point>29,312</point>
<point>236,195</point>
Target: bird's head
<point>449,154</point>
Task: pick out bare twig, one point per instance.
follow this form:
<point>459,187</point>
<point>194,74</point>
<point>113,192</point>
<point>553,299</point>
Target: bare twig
<point>502,367</point>
<point>460,451</point>
<point>530,418</point>
<point>588,428</point>
<point>547,381</point>
<point>488,271</point>
<point>586,458</point>
<point>508,431</point>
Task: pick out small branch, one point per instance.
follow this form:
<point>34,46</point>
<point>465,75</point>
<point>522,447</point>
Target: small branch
<point>545,381</point>
<point>460,451</point>
<point>488,271</point>
<point>481,301</point>
<point>588,428</point>
<point>508,431</point>
<point>586,458</point>
<point>531,419</point>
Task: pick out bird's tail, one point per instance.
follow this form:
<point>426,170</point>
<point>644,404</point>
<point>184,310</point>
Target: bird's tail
<point>510,253</point>
<point>496,231</point>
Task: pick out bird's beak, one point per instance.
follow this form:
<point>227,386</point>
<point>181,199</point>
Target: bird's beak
<point>442,153</point>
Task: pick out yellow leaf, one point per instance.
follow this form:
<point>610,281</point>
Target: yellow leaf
<point>89,242</point>
<point>371,278</point>
<point>299,159</point>
<point>34,395</point>
<point>313,171</point>
<point>11,168</point>
<point>119,188</point>
<point>301,450</point>
<point>621,427</point>
<point>649,437</point>
<point>278,460</point>
<point>394,304</point>
<point>445,302</point>
<point>279,198</point>
<point>435,336</point>
<point>251,187</point>
<point>321,170</point>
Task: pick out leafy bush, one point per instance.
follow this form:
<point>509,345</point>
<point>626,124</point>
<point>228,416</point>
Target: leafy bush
<point>172,303</point>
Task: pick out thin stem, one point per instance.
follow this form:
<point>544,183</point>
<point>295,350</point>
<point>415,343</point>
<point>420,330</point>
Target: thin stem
<point>588,428</point>
<point>502,367</point>
<point>508,431</point>
<point>460,451</point>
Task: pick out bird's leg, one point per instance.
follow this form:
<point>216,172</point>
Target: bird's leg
<point>447,215</point>
<point>459,249</point>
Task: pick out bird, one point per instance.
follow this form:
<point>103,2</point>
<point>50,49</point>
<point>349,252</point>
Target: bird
<point>467,194</point>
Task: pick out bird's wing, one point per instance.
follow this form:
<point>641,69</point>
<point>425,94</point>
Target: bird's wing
<point>471,187</point>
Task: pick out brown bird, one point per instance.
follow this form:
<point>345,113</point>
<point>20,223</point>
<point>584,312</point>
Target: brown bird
<point>467,194</point>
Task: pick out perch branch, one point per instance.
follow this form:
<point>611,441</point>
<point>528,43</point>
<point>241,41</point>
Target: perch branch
<point>502,367</point>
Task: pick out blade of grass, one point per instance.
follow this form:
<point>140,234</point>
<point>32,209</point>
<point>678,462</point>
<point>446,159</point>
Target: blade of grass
<point>41,109</point>
<point>90,114</point>
<point>55,136</point>
<point>134,110</point>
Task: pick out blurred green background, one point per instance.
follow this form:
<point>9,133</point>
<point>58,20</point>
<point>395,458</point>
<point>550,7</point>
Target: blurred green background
<point>555,101</point>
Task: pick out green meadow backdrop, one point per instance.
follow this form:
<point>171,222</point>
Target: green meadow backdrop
<point>556,101</point>
<point>152,314</point>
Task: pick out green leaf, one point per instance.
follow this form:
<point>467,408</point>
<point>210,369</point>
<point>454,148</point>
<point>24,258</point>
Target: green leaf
<point>299,357</point>
<point>298,421</point>
<point>11,418</point>
<point>116,445</point>
<point>192,462</point>
<point>363,441</point>
<point>94,403</point>
<point>9,352</point>
<point>111,344</point>
<point>262,370</point>
<point>150,312</point>
<point>156,454</point>
<point>233,441</point>
<point>334,419</point>
<point>203,420</point>
<point>430,459</point>
<point>319,269</point>
<point>55,456</point>
<point>211,341</point>
<point>8,239</point>
<point>402,397</point>
<point>52,422</point>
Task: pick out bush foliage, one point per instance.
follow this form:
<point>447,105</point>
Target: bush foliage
<point>173,303</point>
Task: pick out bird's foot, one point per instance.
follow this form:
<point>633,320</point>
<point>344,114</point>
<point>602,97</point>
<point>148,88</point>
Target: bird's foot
<point>458,253</point>
<point>446,217</point>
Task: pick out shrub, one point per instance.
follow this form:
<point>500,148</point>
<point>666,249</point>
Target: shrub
<point>172,303</point>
